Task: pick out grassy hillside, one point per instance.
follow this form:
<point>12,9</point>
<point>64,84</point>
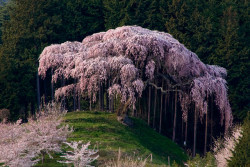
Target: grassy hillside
<point>104,131</point>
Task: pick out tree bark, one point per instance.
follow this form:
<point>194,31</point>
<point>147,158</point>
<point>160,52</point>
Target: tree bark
<point>195,126</point>
<point>63,84</point>
<point>205,145</point>
<point>155,108</point>
<point>165,107</point>
<point>175,112</point>
<point>107,96</point>
<point>74,100</point>
<point>211,130</point>
<point>161,108</point>
<point>182,130</point>
<point>38,91</point>
<point>45,91</point>
<point>100,96</point>
<point>52,87</point>
<point>90,104</point>
<point>186,128</point>
<point>79,101</point>
<point>149,103</point>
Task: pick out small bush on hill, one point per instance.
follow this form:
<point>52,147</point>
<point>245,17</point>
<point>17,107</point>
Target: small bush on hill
<point>241,152</point>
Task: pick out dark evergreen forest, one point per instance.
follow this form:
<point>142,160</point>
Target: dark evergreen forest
<point>217,31</point>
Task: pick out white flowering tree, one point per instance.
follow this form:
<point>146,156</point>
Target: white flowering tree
<point>80,155</point>
<point>21,144</point>
<point>126,60</point>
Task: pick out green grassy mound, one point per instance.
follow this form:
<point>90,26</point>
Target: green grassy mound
<point>106,133</point>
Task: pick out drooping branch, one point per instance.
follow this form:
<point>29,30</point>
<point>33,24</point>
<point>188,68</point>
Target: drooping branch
<point>164,91</point>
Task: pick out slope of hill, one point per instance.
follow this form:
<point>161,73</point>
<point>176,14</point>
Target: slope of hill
<point>104,131</point>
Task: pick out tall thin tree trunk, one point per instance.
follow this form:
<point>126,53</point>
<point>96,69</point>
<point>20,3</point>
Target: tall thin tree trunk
<point>155,106</point>
<point>110,100</point>
<point>211,130</point>
<point>38,91</point>
<point>52,86</point>
<point>79,101</point>
<point>114,104</point>
<point>63,84</point>
<point>195,126</point>
<point>205,145</point>
<point>74,100</point>
<point>161,108</point>
<point>182,130</point>
<point>186,130</point>
<point>45,91</point>
<point>100,96</point>
<point>165,106</point>
<point>149,103</point>
<point>107,96</point>
<point>175,112</point>
<point>90,104</point>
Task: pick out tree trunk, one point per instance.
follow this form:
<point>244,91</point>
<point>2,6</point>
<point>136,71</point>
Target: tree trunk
<point>149,103</point>
<point>45,91</point>
<point>155,107</point>
<point>90,103</point>
<point>114,104</point>
<point>182,130</point>
<point>38,91</point>
<point>74,100</point>
<point>211,130</point>
<point>107,96</point>
<point>165,106</point>
<point>205,145</point>
<point>79,101</point>
<point>52,87</point>
<point>100,96</point>
<point>195,126</point>
<point>161,109</point>
<point>107,101</point>
<point>175,112</point>
<point>186,128</point>
<point>63,100</point>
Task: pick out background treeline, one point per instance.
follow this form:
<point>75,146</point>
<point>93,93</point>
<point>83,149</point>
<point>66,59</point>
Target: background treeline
<point>218,31</point>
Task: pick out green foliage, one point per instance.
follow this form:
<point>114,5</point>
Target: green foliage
<point>241,152</point>
<point>25,34</point>
<point>207,161</point>
<point>4,5</point>
<point>82,18</point>
<point>232,53</point>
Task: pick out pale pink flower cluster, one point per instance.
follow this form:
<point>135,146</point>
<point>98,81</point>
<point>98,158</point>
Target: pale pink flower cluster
<point>21,143</point>
<point>207,86</point>
<point>129,53</point>
<point>150,69</point>
<point>114,90</point>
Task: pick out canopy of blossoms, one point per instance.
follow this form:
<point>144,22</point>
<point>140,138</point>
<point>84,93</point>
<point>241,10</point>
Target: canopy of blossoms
<point>130,58</point>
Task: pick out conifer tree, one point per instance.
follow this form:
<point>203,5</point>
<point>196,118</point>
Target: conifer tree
<point>29,29</point>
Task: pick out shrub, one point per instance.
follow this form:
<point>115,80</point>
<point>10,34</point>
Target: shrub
<point>241,152</point>
<point>4,114</point>
<point>207,161</point>
<point>128,161</point>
